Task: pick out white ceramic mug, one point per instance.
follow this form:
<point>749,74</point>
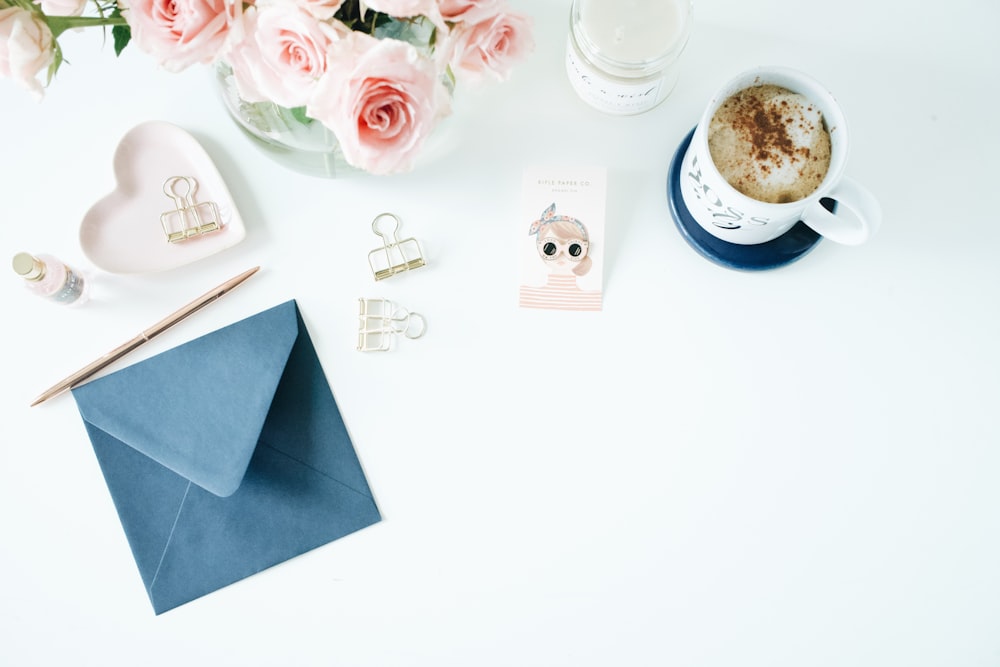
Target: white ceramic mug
<point>732,216</point>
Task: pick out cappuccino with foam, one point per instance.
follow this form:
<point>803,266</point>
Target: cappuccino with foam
<point>770,143</point>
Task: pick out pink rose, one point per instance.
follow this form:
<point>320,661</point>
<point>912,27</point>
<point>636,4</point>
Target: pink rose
<point>321,9</point>
<point>401,8</point>
<point>283,54</point>
<point>406,9</point>
<point>26,47</point>
<point>180,33</point>
<point>469,11</point>
<point>490,48</point>
<point>62,7</point>
<point>382,99</point>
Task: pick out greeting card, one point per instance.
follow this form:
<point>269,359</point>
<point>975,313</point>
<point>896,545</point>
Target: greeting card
<point>561,237</point>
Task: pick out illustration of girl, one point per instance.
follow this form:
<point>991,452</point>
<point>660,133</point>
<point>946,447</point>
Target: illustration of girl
<point>564,246</point>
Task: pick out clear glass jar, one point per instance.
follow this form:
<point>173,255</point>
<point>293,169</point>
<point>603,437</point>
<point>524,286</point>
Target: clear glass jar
<point>622,55</point>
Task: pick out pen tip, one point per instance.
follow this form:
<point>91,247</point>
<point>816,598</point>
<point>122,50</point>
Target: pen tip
<point>246,274</point>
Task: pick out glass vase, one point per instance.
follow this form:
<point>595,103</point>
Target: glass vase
<point>286,135</point>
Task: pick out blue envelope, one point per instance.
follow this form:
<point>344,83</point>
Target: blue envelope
<point>226,455</point>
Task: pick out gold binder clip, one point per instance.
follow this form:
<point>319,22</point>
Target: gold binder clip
<point>188,218</point>
<point>394,256</point>
<point>380,319</point>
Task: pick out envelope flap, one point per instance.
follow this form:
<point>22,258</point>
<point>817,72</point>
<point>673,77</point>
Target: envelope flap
<point>198,408</point>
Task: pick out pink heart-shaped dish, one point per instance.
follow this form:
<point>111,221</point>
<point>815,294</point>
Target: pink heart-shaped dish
<point>123,232</point>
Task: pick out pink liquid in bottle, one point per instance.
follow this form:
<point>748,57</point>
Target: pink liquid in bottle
<point>50,278</point>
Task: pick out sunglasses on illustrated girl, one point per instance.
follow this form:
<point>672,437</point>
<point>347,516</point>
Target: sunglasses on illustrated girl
<point>574,249</point>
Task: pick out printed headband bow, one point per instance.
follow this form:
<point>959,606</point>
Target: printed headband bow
<point>549,216</point>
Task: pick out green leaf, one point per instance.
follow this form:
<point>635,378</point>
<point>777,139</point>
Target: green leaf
<point>57,60</point>
<point>299,113</point>
<point>122,35</point>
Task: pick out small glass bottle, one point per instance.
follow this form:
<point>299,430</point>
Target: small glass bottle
<point>46,276</point>
<point>621,55</point>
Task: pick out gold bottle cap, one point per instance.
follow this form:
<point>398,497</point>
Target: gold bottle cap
<point>28,266</point>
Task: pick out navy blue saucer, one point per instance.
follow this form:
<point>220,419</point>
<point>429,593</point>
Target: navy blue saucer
<point>790,246</point>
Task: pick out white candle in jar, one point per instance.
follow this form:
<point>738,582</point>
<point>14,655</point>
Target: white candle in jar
<point>622,54</point>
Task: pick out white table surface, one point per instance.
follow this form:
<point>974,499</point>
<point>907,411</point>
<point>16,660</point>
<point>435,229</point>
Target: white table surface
<point>793,467</point>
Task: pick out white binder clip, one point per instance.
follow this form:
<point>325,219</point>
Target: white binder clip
<point>380,319</point>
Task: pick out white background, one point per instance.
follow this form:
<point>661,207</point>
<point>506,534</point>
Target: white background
<point>795,467</point>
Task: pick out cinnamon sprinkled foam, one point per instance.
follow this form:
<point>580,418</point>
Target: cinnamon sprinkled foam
<point>770,143</point>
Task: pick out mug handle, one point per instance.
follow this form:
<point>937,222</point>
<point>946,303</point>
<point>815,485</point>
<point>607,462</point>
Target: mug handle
<point>849,230</point>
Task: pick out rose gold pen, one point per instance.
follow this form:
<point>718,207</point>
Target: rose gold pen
<point>114,355</point>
